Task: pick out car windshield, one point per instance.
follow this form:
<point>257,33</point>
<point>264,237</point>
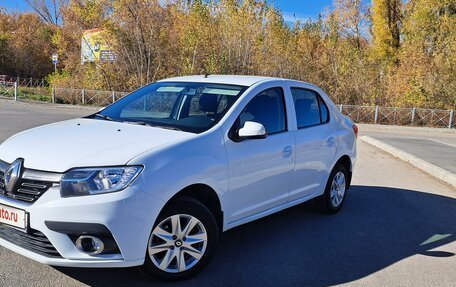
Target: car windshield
<point>190,107</point>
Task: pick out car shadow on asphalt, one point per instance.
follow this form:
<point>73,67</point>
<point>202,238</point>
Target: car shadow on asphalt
<point>377,227</point>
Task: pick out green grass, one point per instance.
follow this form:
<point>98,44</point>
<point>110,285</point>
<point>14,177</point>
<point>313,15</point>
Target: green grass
<point>35,94</point>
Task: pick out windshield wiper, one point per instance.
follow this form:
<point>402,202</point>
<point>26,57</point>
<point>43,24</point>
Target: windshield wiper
<point>166,127</point>
<point>104,117</point>
<point>141,123</point>
<point>137,123</point>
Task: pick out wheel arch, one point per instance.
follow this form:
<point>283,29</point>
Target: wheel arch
<point>204,194</point>
<point>346,162</point>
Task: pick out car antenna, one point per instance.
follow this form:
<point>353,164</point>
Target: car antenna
<point>206,75</point>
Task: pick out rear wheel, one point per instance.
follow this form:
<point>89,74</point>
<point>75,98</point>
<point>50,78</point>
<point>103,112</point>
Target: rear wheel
<point>182,241</point>
<point>336,188</point>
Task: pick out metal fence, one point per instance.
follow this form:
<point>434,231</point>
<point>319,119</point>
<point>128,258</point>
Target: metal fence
<point>400,116</point>
<point>359,114</point>
<point>24,82</point>
<point>85,97</point>
<point>8,89</point>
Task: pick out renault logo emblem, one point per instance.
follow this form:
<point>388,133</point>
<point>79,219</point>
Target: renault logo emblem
<point>12,174</point>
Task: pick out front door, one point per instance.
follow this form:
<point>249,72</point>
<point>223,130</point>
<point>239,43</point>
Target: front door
<point>261,170</point>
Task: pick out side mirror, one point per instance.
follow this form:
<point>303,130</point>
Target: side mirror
<point>252,130</point>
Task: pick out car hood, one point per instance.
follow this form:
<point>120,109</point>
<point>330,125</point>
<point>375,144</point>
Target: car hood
<point>85,142</point>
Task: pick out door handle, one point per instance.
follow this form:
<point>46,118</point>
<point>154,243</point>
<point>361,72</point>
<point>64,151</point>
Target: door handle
<point>329,142</point>
<point>287,151</point>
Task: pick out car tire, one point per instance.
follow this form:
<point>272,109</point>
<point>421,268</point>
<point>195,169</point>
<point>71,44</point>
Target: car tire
<point>195,256</point>
<point>336,190</point>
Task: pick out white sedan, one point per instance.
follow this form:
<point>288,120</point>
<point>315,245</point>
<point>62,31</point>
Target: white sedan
<point>155,178</point>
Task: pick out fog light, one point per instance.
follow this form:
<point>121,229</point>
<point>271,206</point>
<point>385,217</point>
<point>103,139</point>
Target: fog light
<point>89,244</point>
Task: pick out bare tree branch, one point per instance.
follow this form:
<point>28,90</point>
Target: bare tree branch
<point>49,10</point>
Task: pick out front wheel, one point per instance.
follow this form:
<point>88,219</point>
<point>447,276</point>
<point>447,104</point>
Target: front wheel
<point>182,241</point>
<point>336,188</point>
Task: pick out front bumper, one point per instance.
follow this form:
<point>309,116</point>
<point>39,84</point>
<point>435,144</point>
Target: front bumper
<point>129,215</point>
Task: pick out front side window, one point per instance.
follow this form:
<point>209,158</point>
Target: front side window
<point>268,109</point>
<point>191,107</point>
<point>309,107</point>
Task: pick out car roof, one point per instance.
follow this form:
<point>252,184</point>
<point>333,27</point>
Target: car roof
<point>223,79</point>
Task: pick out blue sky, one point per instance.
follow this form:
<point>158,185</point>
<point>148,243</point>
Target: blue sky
<point>16,5</point>
<point>301,9</point>
<point>292,9</point>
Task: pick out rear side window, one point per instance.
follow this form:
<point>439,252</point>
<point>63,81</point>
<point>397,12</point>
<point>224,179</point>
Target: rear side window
<point>310,109</point>
<point>323,111</point>
<point>268,109</point>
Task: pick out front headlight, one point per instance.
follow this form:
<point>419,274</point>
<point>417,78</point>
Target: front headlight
<point>88,181</point>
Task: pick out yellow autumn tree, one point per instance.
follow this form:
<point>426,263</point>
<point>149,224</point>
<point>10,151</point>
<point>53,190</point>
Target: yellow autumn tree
<point>426,76</point>
<point>386,22</point>
<point>393,53</point>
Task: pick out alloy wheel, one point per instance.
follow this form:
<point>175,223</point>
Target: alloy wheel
<point>177,243</point>
<point>338,186</point>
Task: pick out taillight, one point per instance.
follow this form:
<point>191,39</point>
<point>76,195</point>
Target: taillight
<point>355,130</point>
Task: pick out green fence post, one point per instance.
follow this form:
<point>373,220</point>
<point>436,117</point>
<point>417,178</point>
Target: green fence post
<point>413,115</point>
<point>15,91</point>
<point>450,124</point>
<point>376,115</point>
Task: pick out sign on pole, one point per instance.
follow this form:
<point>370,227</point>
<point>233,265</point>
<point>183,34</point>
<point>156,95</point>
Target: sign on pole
<point>55,60</point>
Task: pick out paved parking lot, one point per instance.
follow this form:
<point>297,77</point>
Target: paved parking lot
<point>398,228</point>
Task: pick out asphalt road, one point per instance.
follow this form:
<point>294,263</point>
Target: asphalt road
<point>432,145</point>
<point>397,228</point>
<point>18,116</point>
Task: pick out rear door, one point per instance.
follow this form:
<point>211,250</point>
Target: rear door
<point>315,143</point>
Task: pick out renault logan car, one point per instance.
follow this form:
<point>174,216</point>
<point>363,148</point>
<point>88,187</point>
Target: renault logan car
<point>154,179</point>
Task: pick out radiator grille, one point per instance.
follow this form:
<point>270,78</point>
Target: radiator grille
<point>26,190</point>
